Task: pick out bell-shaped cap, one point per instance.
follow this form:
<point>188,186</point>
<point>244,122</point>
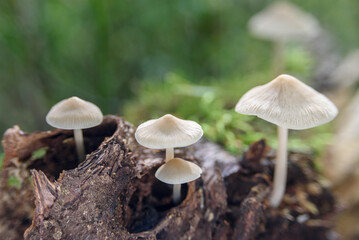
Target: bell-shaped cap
<point>178,171</point>
<point>74,113</point>
<point>283,21</point>
<point>168,132</point>
<point>289,103</point>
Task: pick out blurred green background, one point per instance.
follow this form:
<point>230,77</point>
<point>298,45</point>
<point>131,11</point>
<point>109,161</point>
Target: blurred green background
<point>143,59</point>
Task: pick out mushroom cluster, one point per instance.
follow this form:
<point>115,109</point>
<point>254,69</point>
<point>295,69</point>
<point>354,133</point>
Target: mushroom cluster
<point>290,104</point>
<point>167,133</point>
<point>285,101</point>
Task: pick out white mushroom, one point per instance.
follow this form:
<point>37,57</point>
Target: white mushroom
<point>282,22</point>
<point>177,171</point>
<point>77,114</point>
<point>167,133</point>
<point>290,104</point>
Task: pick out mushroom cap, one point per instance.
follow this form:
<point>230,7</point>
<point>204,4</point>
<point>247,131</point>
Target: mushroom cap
<point>178,171</point>
<point>287,102</point>
<point>283,21</point>
<point>74,113</point>
<point>168,132</point>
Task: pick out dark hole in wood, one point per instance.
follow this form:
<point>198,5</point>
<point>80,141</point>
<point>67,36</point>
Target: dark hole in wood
<point>61,151</point>
<point>149,209</point>
<point>162,195</point>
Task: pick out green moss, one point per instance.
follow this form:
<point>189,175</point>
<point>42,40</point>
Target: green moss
<point>39,153</point>
<point>2,155</point>
<point>13,181</point>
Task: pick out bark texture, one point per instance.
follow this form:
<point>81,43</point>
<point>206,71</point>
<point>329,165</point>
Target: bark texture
<point>113,194</point>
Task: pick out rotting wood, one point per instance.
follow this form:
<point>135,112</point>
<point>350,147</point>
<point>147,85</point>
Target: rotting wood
<point>113,194</point>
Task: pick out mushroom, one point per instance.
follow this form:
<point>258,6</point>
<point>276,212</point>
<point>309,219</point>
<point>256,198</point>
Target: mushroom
<point>167,133</point>
<point>290,104</point>
<point>75,114</point>
<point>177,171</point>
<point>281,22</point>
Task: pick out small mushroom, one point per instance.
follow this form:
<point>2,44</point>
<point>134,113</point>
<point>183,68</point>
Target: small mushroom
<point>290,104</point>
<point>75,114</point>
<point>178,171</point>
<point>167,133</point>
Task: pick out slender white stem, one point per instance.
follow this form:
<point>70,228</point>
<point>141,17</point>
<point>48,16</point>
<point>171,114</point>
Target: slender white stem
<point>176,193</point>
<point>80,147</point>
<point>278,57</point>
<point>169,154</point>
<point>280,173</point>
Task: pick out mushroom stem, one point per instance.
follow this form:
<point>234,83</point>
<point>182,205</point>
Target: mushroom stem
<point>80,147</point>
<point>280,172</point>
<point>169,154</point>
<point>278,57</point>
<point>176,193</point>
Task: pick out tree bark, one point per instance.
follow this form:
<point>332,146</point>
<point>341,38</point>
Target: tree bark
<point>113,194</point>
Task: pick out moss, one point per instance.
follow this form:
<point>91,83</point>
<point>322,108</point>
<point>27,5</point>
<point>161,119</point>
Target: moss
<point>2,155</point>
<point>13,181</point>
<point>39,153</point>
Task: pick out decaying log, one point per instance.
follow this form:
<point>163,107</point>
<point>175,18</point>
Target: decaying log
<point>113,194</point>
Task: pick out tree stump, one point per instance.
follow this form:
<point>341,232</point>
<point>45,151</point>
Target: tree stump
<point>114,194</point>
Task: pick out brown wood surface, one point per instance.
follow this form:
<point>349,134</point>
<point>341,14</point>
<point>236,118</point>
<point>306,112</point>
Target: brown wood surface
<point>113,194</point>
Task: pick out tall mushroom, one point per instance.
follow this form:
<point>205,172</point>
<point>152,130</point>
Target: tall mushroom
<point>75,114</point>
<point>282,22</point>
<point>167,133</point>
<point>290,104</point>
